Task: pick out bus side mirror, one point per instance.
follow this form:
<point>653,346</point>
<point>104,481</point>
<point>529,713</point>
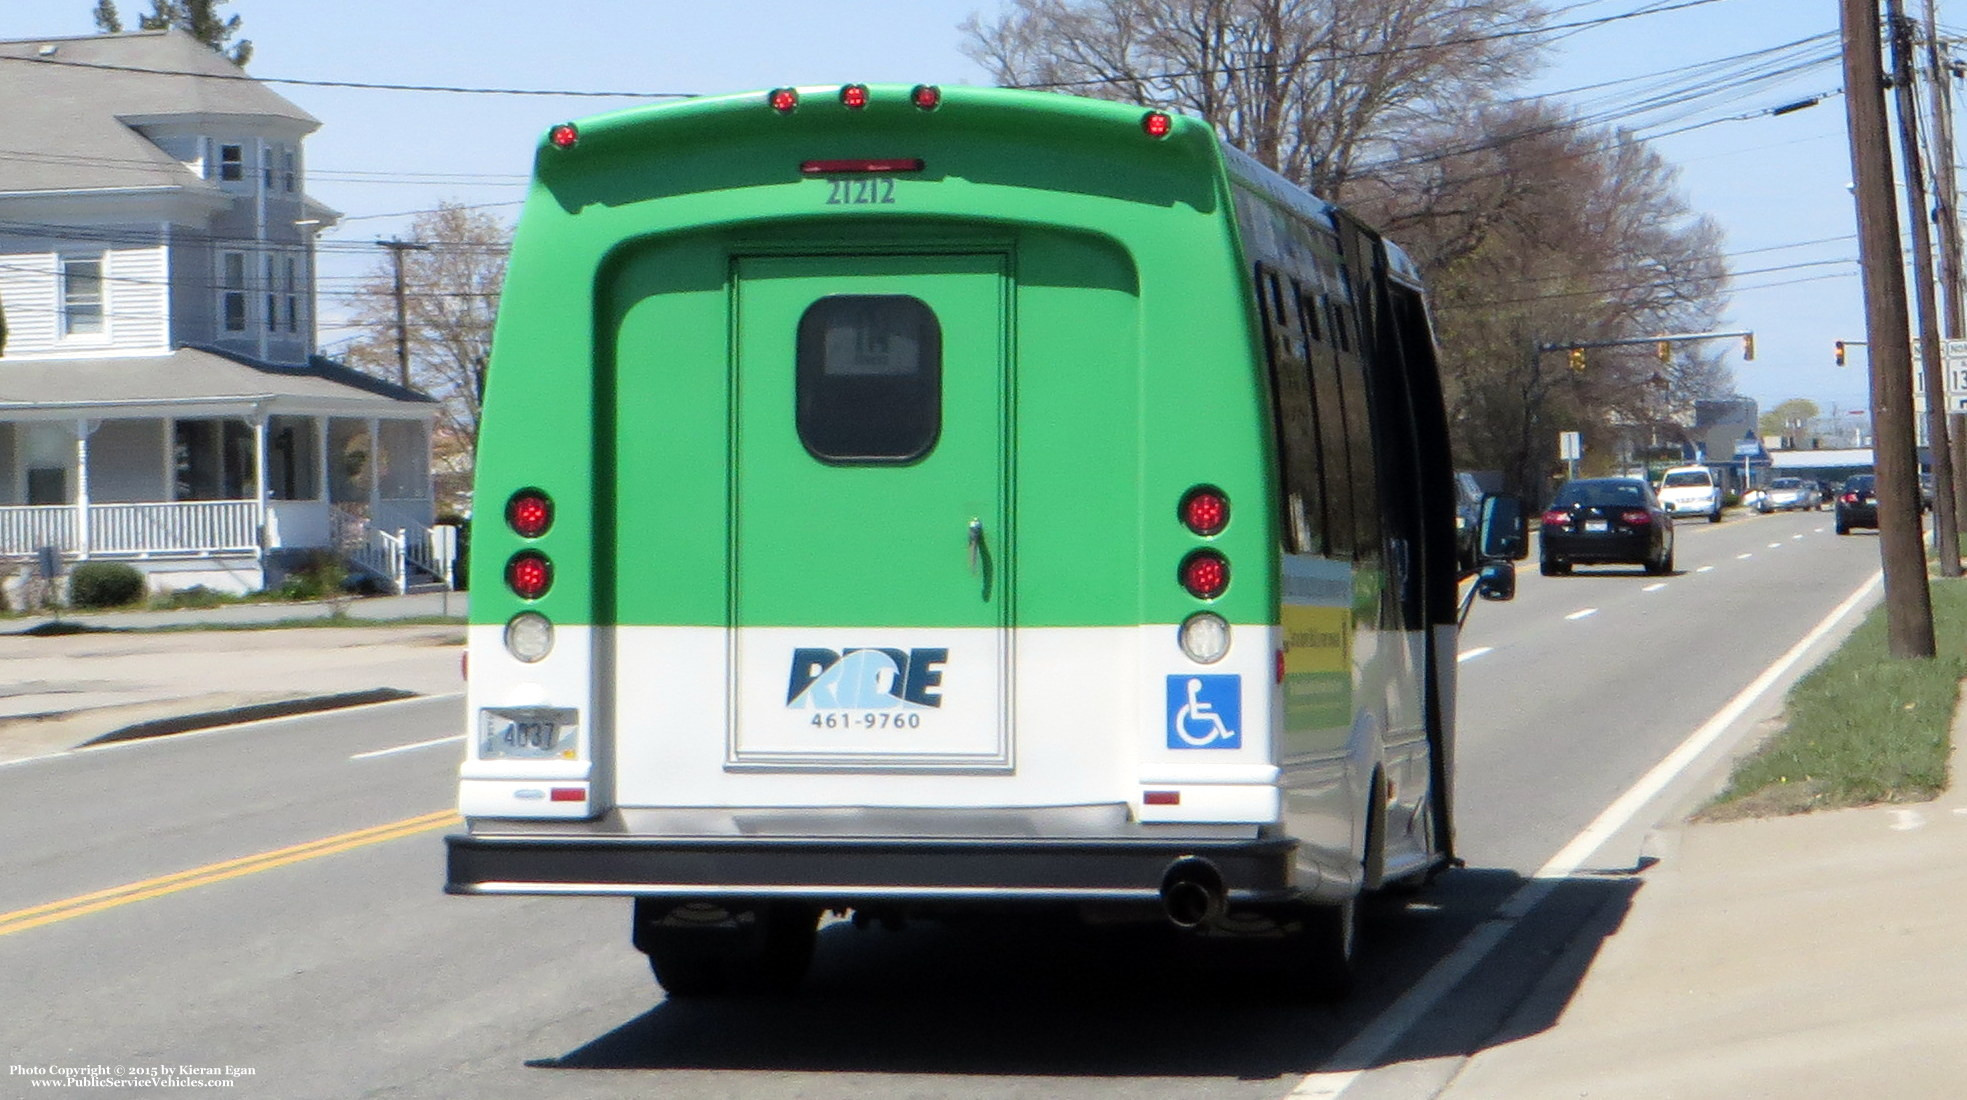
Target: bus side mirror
<point>1504,534</point>
<point>1496,581</point>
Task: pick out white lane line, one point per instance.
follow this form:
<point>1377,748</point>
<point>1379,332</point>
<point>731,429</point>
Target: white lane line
<point>1378,1037</point>
<point>1582,613</point>
<point>1816,530</point>
<point>1705,569</point>
<point>1743,557</point>
<point>1655,587</point>
<point>1775,546</point>
<point>1793,538</point>
<point>407,748</point>
<point>1474,653</point>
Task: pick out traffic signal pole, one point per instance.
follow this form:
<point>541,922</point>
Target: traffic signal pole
<point>1908,602</point>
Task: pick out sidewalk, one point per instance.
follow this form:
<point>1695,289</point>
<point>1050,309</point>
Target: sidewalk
<point>123,678</point>
<point>1817,956</point>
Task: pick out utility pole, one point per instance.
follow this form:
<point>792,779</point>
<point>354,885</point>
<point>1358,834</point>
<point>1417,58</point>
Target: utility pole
<point>1908,602</point>
<point>1939,93</point>
<point>1946,532</point>
<point>396,250</point>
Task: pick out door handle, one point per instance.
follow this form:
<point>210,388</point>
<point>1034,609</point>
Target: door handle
<point>976,543</point>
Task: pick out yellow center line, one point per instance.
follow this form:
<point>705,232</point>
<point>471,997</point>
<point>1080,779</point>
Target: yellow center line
<point>35,916</point>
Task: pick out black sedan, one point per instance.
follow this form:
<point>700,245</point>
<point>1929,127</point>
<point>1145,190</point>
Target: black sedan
<point>1605,521</point>
<point>1856,504</point>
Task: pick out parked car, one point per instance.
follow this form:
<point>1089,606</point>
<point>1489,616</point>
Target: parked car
<point>1925,492</point>
<point>1787,494</point>
<point>1856,506</point>
<point>1604,521</point>
<point>1690,490</point>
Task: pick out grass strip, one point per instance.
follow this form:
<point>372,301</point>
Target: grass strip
<point>1862,727</point>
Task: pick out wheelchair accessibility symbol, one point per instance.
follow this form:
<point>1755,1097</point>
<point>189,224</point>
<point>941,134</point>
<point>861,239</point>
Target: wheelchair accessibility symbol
<point>1205,712</point>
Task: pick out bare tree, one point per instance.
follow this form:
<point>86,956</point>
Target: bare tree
<point>1308,87</point>
<point>451,294</point>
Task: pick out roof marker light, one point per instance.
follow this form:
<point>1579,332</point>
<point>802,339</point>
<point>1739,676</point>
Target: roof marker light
<point>1157,124</point>
<point>563,136</point>
<point>926,96</point>
<point>783,100</point>
<point>854,96</point>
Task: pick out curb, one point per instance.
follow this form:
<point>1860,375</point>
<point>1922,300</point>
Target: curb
<point>185,723</point>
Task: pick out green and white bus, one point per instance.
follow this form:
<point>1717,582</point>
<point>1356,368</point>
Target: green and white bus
<point>917,501</point>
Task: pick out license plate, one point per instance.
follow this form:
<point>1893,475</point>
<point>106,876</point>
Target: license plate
<point>1597,525</point>
<point>527,732</point>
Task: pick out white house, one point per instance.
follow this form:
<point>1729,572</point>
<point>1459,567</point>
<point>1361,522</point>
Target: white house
<point>160,399</point>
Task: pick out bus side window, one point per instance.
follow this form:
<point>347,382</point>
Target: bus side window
<point>1334,457</point>
<point>1297,442</point>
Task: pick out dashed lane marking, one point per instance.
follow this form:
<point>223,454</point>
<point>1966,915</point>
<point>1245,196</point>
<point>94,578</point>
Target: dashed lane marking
<point>1474,653</point>
<point>1582,613</point>
<point>407,748</point>
<point>1705,569</point>
<point>1654,587</point>
<point>1743,557</point>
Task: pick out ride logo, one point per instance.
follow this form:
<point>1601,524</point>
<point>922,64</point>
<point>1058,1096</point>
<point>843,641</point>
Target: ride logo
<point>873,678</point>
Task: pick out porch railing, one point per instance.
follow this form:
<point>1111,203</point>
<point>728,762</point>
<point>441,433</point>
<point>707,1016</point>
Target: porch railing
<point>25,528</point>
<point>200,526</point>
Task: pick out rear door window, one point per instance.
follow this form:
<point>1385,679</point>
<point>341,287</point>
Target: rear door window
<point>869,379</point>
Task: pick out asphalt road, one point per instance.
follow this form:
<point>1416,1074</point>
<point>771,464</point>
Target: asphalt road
<point>166,904</point>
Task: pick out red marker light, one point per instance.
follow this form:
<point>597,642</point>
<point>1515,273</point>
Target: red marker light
<point>1205,510</point>
<point>568,794</point>
<point>1157,123</point>
<point>926,96</point>
<point>1161,798</point>
<point>529,512</point>
<point>563,136</point>
<point>529,574</point>
<point>783,100</point>
<point>1205,574</point>
<point>854,96</point>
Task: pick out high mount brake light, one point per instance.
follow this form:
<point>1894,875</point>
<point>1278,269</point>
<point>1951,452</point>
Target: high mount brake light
<point>882,166</point>
<point>529,513</point>
<point>563,136</point>
<point>1205,574</point>
<point>1205,510</point>
<point>783,100</point>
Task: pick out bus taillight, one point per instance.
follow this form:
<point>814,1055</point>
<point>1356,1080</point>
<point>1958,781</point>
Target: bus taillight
<point>529,512</point>
<point>1205,574</point>
<point>1205,510</point>
<point>529,574</point>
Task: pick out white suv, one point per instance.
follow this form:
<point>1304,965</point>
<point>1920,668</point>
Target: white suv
<point>1691,491</point>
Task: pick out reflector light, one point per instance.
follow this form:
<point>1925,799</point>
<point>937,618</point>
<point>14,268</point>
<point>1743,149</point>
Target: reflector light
<point>1161,798</point>
<point>529,513</point>
<point>854,96</point>
<point>529,574</point>
<point>569,794</point>
<point>1637,517</point>
<point>1205,510</point>
<point>883,166</point>
<point>563,136</point>
<point>529,637</point>
<point>1204,636</point>
<point>1205,574</point>
<point>783,100</point>
<point>926,96</point>
<point>1157,123</point>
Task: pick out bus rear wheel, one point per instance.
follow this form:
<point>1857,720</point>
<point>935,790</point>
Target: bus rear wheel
<point>1321,950</point>
<point>701,949</point>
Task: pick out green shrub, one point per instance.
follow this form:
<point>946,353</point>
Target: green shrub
<point>196,596</point>
<point>321,576</point>
<point>105,584</point>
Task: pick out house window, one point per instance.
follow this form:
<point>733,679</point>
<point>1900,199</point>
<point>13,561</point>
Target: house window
<point>272,314</point>
<point>266,167</point>
<point>49,450</point>
<point>232,162</point>
<point>233,295</point>
<point>81,295</point>
<point>212,460</point>
<point>293,293</point>
<point>287,170</point>
<point>293,458</point>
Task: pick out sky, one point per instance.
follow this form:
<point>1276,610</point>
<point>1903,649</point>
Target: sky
<point>1777,185</point>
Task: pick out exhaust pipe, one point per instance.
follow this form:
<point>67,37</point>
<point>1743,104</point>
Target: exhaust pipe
<point>1192,893</point>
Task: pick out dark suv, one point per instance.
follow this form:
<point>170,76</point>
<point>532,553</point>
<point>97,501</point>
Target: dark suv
<point>1856,506</point>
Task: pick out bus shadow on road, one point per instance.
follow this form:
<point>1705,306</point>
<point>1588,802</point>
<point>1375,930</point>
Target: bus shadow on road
<point>1063,1000</point>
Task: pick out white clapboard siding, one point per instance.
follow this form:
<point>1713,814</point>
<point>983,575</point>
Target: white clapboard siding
<point>28,289</point>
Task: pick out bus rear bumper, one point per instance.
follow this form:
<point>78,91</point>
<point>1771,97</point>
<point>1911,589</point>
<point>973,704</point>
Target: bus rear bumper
<point>843,872</point>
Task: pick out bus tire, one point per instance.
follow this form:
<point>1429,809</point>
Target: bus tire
<point>767,949</point>
<point>1327,942</point>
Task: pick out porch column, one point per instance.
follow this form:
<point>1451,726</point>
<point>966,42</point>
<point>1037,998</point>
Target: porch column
<point>83,430</point>
<point>324,479</point>
<point>258,420</point>
<point>375,472</point>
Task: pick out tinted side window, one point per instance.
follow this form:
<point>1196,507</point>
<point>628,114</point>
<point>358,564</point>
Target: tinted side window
<point>869,378</point>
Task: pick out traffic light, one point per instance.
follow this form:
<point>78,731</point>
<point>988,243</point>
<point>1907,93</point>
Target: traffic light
<point>1840,353</point>
<point>1748,346</point>
<point>1665,352</point>
<point>1578,360</point>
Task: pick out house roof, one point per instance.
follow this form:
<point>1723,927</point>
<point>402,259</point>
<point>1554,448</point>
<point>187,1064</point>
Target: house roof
<point>164,385</point>
<point>67,101</point>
